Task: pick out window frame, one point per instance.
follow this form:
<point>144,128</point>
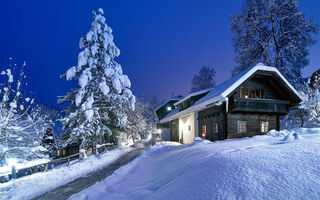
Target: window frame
<point>264,129</point>
<point>239,126</point>
<point>215,127</point>
<point>204,130</point>
<point>251,93</point>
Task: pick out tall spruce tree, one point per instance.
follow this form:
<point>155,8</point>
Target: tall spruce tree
<point>274,32</point>
<point>100,103</point>
<point>204,79</point>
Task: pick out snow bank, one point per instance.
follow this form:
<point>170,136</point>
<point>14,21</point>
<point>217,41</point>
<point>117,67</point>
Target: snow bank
<point>36,184</point>
<point>261,167</point>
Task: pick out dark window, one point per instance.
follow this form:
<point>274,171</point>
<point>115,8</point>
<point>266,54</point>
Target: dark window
<point>216,127</point>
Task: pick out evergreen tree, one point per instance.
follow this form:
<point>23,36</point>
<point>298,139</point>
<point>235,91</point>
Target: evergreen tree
<point>312,108</point>
<point>48,142</point>
<point>203,80</point>
<point>314,81</point>
<point>275,33</point>
<point>103,97</point>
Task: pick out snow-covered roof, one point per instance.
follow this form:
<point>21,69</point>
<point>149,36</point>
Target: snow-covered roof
<point>173,98</point>
<point>173,112</point>
<point>192,95</point>
<point>219,94</point>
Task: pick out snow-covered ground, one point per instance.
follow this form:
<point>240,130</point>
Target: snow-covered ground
<point>281,165</point>
<point>36,184</point>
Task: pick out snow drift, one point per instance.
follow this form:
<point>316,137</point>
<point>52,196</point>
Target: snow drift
<point>281,165</point>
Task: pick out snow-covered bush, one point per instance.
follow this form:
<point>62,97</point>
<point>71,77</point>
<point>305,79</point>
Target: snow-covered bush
<point>100,104</point>
<point>21,126</point>
<point>142,121</point>
<point>311,106</point>
<point>308,113</point>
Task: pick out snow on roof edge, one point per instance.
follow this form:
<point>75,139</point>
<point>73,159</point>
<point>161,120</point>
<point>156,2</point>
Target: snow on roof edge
<point>193,94</point>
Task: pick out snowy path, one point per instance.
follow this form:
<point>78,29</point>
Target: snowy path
<point>65,191</point>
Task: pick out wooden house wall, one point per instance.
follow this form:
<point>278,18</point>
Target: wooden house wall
<point>273,87</point>
<point>255,84</point>
<point>209,117</point>
<point>253,124</point>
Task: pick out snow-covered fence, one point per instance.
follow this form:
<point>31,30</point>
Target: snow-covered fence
<point>29,169</point>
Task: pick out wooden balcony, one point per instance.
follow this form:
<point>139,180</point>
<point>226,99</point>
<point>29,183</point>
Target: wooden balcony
<point>259,105</point>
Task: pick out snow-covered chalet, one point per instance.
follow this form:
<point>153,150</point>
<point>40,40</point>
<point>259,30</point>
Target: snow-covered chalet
<point>250,103</point>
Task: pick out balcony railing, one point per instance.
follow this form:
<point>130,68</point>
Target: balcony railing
<point>259,105</point>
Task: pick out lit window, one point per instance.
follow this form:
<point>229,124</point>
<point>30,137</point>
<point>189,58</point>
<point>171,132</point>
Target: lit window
<point>251,93</point>
<point>244,92</point>
<point>204,131</point>
<point>242,126</point>
<point>216,127</point>
<point>169,108</point>
<point>264,127</point>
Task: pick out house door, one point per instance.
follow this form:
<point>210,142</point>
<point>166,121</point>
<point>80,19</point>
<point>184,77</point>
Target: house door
<point>174,129</point>
<point>181,138</point>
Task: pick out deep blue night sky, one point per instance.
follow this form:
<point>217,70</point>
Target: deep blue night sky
<point>163,43</point>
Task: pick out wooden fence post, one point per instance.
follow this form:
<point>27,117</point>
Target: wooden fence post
<point>13,172</point>
<point>46,167</point>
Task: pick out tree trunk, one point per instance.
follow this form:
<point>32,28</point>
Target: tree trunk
<point>132,135</point>
<point>101,133</point>
<point>302,120</point>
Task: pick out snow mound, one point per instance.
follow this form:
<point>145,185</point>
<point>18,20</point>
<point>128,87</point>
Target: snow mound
<point>291,137</point>
<point>260,167</point>
<point>288,135</point>
<point>303,131</point>
<point>198,139</point>
<point>280,133</point>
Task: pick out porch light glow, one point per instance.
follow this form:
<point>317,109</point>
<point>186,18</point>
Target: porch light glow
<point>159,130</point>
<point>169,108</point>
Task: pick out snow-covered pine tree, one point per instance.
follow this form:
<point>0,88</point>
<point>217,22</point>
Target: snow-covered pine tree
<point>100,103</point>
<point>275,33</point>
<point>48,142</point>
<point>203,80</point>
